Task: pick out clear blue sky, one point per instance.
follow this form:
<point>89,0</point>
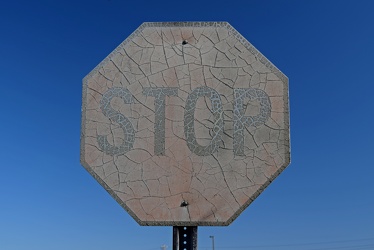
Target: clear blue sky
<point>323,200</point>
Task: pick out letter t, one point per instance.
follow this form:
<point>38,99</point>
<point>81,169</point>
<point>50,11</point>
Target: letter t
<point>159,95</point>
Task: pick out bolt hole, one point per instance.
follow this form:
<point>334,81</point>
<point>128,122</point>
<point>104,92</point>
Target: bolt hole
<point>184,204</point>
<point>184,42</point>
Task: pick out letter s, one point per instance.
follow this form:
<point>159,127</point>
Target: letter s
<point>117,117</point>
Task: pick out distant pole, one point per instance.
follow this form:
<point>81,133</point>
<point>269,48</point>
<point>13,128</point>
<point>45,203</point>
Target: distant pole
<point>212,237</point>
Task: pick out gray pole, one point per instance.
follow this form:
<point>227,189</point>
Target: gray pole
<point>212,237</point>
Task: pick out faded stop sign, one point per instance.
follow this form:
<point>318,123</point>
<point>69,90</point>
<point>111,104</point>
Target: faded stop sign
<point>185,123</point>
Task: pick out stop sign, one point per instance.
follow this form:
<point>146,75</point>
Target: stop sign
<point>185,123</point>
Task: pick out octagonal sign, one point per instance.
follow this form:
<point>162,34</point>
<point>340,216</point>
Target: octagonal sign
<point>185,123</point>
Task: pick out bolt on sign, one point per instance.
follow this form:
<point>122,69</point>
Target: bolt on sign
<point>185,123</point>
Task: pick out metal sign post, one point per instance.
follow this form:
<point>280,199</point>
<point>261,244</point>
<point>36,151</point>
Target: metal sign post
<point>185,238</point>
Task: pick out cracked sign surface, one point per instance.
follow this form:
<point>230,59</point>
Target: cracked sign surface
<point>185,123</point>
